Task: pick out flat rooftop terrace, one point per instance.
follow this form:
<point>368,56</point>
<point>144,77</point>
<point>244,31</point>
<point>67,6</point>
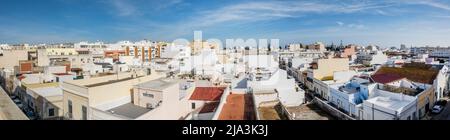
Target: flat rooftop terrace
<point>129,110</point>
<point>8,109</point>
<point>309,112</point>
<point>103,80</point>
<point>386,102</point>
<point>109,82</point>
<point>269,113</point>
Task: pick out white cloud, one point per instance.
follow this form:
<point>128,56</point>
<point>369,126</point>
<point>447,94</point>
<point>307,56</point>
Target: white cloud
<point>434,4</point>
<point>135,7</point>
<point>123,7</point>
<point>169,3</point>
<point>441,16</point>
<point>271,10</point>
<point>356,26</point>
<point>351,25</point>
<point>381,12</point>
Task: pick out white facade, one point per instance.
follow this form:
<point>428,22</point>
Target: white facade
<point>323,87</point>
<point>384,105</point>
<point>441,82</point>
<point>349,95</point>
<point>288,93</point>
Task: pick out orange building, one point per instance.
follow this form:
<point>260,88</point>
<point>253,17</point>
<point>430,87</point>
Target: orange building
<point>348,51</point>
<point>114,54</point>
<point>25,66</point>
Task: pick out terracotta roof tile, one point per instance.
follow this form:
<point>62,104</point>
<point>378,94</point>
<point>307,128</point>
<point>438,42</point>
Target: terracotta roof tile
<point>238,107</point>
<point>421,73</point>
<point>207,93</point>
<point>209,107</point>
<point>386,78</point>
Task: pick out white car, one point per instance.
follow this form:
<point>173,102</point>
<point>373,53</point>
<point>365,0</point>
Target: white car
<point>20,105</point>
<point>437,109</point>
<point>13,97</point>
<point>17,101</point>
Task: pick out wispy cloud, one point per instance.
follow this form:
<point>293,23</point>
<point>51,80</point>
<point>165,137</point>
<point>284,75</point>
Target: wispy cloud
<point>169,3</point>
<point>272,10</point>
<point>381,12</point>
<point>356,26</point>
<point>441,16</point>
<point>123,7</point>
<point>135,7</point>
<point>350,25</point>
<point>434,4</point>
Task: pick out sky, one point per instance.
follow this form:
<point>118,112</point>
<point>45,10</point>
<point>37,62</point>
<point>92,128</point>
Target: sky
<point>379,22</point>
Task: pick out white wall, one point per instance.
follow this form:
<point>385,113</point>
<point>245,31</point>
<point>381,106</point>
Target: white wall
<point>55,69</point>
<point>373,111</point>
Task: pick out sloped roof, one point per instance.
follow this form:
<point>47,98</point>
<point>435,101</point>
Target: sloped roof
<point>209,107</point>
<point>386,77</point>
<point>416,72</point>
<point>238,107</point>
<point>207,93</point>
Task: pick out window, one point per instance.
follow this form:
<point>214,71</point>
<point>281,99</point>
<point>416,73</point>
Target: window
<point>193,105</point>
<point>149,106</point>
<point>148,95</point>
<point>84,111</point>
<point>51,112</point>
<point>70,108</point>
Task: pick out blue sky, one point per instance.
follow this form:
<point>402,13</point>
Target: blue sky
<point>380,22</point>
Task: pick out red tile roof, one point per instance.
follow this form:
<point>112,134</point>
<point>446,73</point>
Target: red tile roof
<point>238,107</point>
<point>207,93</point>
<point>61,74</point>
<point>209,107</point>
<point>386,78</point>
<point>416,72</point>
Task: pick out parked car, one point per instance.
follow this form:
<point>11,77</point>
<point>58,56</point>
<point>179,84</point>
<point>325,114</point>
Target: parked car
<point>437,109</point>
<point>30,114</point>
<point>20,105</point>
<point>17,101</point>
<point>13,97</point>
<point>441,102</point>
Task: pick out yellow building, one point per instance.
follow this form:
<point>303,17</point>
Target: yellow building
<point>321,74</point>
<point>197,46</point>
<point>46,100</point>
<point>11,58</point>
<point>324,69</point>
<point>60,51</point>
<point>76,57</point>
<point>80,95</point>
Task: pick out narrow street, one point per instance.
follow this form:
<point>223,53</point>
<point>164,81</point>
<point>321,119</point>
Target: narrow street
<point>444,115</point>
